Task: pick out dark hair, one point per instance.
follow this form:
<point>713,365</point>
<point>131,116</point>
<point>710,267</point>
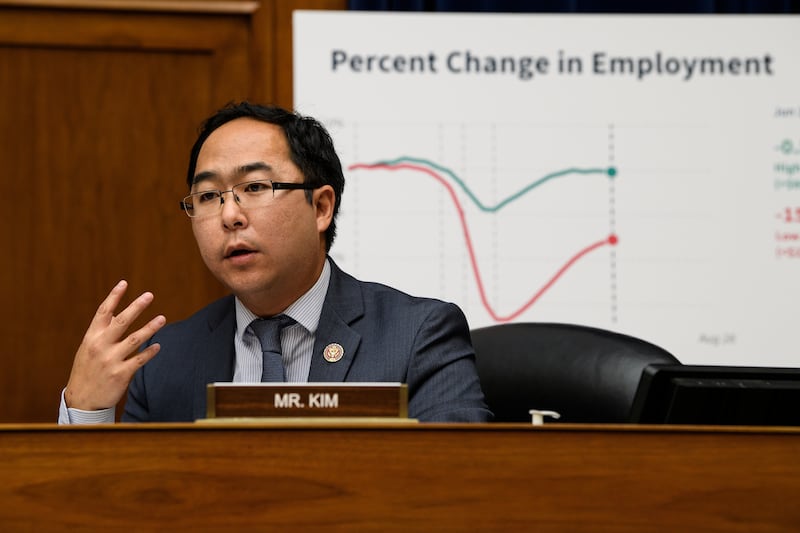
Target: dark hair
<point>310,147</point>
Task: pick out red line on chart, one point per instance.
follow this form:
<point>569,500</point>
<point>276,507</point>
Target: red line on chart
<point>610,240</point>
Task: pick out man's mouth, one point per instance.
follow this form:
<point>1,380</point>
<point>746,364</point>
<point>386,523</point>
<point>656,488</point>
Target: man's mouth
<point>238,252</point>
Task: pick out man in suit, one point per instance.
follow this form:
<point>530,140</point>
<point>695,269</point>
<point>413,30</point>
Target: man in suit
<point>265,188</point>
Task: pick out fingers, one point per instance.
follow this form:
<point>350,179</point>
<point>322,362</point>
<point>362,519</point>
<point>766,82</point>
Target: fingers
<point>106,310</point>
<point>115,326</point>
<point>107,358</point>
<point>120,323</point>
<point>140,359</point>
<point>138,337</point>
<point>107,331</point>
<point>134,340</point>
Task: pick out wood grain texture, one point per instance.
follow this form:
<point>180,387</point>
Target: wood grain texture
<point>101,103</point>
<point>100,112</point>
<point>283,69</point>
<point>191,6</point>
<point>426,477</point>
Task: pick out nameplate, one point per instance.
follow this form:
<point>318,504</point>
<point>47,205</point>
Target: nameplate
<point>265,400</point>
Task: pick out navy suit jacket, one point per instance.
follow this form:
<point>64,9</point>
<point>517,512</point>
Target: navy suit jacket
<point>387,336</point>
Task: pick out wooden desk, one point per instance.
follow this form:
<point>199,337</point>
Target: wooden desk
<point>384,477</point>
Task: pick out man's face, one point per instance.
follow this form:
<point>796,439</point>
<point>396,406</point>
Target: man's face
<point>268,256</point>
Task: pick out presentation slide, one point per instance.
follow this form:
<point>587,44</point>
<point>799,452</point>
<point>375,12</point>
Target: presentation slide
<point>629,172</point>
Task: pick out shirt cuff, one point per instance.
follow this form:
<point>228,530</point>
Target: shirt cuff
<point>70,415</point>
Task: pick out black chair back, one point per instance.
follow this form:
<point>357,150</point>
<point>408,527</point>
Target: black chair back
<point>586,374</point>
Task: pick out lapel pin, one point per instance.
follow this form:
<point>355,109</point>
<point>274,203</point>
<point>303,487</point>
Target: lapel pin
<point>333,352</point>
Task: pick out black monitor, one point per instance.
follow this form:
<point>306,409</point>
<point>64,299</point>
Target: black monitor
<point>717,395</point>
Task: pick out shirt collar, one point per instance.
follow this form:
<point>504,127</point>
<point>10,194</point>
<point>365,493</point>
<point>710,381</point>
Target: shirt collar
<point>306,310</point>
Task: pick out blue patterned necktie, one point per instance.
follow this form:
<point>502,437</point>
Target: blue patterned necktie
<point>268,331</point>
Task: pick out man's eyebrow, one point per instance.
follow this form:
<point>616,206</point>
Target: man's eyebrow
<point>244,169</point>
<point>202,176</point>
<point>252,167</point>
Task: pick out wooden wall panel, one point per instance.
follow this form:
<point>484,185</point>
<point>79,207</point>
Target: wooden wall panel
<point>95,150</point>
<point>282,68</point>
<point>101,100</point>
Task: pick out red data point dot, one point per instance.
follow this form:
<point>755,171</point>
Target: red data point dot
<point>612,240</point>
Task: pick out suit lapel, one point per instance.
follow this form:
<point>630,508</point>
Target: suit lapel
<point>343,305</point>
<point>214,353</point>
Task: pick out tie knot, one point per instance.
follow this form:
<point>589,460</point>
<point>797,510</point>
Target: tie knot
<point>268,331</point>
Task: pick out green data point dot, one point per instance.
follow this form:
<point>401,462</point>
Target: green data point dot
<point>612,171</point>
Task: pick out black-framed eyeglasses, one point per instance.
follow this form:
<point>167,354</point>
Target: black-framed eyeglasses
<point>259,193</point>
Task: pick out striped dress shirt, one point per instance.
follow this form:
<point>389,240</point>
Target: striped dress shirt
<point>297,340</point>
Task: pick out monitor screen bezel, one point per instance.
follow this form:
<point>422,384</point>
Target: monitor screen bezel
<point>662,387</point>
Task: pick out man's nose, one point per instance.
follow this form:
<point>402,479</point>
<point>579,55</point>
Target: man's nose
<point>232,214</point>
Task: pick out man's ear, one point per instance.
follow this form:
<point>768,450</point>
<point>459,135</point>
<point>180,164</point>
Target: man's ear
<point>323,200</point>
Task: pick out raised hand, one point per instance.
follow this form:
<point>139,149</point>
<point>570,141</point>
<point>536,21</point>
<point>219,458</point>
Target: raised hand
<point>107,359</point>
